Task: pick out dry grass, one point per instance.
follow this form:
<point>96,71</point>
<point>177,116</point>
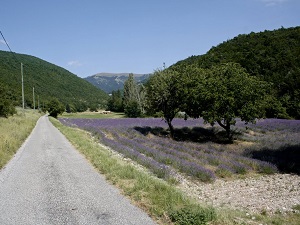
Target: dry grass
<point>13,132</point>
<point>92,115</point>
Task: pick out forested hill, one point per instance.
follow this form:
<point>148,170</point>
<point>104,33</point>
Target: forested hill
<point>274,56</point>
<point>48,81</point>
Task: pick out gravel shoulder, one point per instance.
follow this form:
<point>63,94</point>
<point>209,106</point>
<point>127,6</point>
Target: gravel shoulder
<point>49,182</point>
<point>260,194</point>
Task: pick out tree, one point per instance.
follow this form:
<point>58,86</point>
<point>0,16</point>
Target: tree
<point>132,109</point>
<point>6,102</point>
<point>115,103</point>
<point>55,107</point>
<point>162,95</point>
<point>70,108</point>
<point>130,90</point>
<point>227,93</point>
<point>133,93</point>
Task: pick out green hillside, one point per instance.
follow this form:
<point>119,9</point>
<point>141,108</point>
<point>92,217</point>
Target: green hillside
<point>274,56</point>
<point>48,81</point>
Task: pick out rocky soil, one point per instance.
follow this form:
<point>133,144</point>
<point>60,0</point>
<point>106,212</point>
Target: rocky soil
<point>261,194</point>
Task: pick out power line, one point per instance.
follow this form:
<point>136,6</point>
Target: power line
<point>5,41</point>
<point>9,47</point>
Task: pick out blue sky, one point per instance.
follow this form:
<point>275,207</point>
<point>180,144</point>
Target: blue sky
<point>138,36</point>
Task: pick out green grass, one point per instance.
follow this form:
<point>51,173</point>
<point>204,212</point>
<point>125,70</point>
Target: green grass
<point>92,115</point>
<point>13,132</point>
<point>161,200</point>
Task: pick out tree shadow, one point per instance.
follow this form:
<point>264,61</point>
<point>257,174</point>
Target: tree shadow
<point>195,134</point>
<point>286,158</point>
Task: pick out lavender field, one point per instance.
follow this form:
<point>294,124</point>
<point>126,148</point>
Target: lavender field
<point>197,154</point>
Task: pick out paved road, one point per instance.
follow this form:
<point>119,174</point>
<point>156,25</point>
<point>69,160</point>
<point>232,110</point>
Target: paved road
<point>49,182</point>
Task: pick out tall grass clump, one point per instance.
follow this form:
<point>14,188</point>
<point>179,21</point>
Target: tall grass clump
<point>13,132</point>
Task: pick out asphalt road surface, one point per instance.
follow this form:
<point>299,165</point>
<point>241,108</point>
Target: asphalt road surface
<point>49,182</point>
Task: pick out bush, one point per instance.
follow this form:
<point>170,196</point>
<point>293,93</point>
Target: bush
<point>192,215</point>
<point>55,107</point>
<point>6,103</point>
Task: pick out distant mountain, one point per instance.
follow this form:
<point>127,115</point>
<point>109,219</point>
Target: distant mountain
<point>48,81</point>
<point>109,82</point>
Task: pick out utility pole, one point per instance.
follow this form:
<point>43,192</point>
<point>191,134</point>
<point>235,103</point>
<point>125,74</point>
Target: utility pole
<point>23,104</point>
<point>38,102</point>
<point>33,98</point>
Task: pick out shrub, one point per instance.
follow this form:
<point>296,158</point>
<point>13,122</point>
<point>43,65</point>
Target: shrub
<point>192,215</point>
<point>55,107</point>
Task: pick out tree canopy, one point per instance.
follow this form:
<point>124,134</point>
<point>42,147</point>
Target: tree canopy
<point>162,95</point>
<point>227,93</point>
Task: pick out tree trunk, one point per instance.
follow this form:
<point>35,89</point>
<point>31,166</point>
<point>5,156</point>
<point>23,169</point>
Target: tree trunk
<point>169,122</point>
<point>227,128</point>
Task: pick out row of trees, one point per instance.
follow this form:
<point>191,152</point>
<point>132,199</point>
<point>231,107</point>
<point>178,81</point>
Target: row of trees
<point>8,104</point>
<point>218,95</point>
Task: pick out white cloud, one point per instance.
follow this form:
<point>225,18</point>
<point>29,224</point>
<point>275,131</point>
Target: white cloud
<point>74,63</point>
<point>2,42</point>
<point>273,2</point>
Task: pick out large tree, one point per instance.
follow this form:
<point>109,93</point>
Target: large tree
<point>162,95</point>
<point>228,92</point>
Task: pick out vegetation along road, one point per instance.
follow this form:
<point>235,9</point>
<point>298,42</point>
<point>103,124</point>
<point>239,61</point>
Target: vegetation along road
<point>49,182</point>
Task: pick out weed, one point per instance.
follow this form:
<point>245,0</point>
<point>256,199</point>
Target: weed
<point>192,215</point>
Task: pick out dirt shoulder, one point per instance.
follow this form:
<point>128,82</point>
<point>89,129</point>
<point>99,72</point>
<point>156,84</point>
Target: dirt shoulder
<point>269,193</point>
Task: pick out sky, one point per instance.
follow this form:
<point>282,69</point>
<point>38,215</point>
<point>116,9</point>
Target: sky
<point>133,36</point>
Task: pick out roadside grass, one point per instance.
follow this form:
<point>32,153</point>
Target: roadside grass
<point>92,115</point>
<point>160,199</point>
<point>13,132</point>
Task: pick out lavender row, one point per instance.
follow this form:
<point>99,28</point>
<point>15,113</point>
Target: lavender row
<point>190,167</point>
<point>156,152</point>
<point>161,170</point>
<point>185,166</point>
<point>192,152</point>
